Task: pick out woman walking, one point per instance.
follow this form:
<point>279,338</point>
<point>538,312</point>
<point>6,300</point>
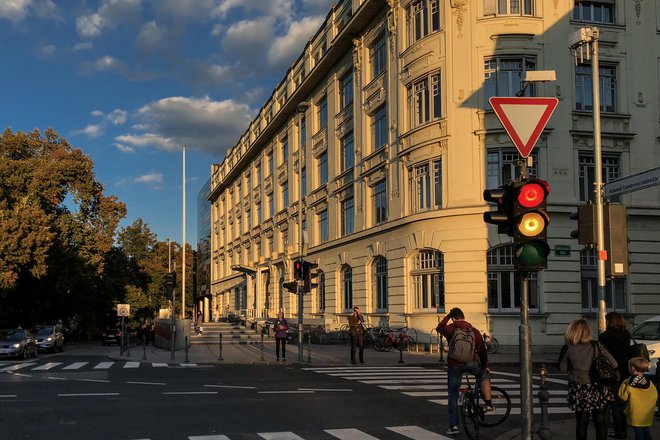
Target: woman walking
<point>280,327</point>
<point>616,339</point>
<point>588,399</point>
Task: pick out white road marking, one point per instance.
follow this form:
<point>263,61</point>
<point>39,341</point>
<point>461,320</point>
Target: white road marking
<point>18,366</point>
<point>326,389</point>
<point>176,393</point>
<point>87,394</point>
<point>131,365</point>
<point>350,434</point>
<point>75,366</point>
<point>286,392</point>
<point>93,380</point>
<point>279,436</point>
<point>158,364</point>
<point>146,383</point>
<point>103,365</point>
<point>47,366</point>
<point>231,386</point>
<point>208,437</point>
<point>6,396</point>
<point>417,433</point>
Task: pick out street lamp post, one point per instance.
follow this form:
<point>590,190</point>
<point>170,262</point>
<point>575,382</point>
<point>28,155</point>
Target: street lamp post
<point>302,108</point>
<point>587,37</point>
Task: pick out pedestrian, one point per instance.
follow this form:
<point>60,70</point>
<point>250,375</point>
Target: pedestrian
<point>356,332</point>
<point>467,353</point>
<point>586,398</point>
<point>280,327</point>
<point>640,396</point>
<point>616,338</point>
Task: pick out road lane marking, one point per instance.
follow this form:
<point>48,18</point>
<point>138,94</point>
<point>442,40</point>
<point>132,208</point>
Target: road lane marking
<point>18,366</point>
<point>350,434</point>
<point>286,392</point>
<point>208,437</point>
<point>75,366</point>
<point>103,365</point>
<point>417,433</point>
<point>189,392</point>
<point>231,386</point>
<point>131,365</point>
<point>147,383</point>
<point>87,394</point>
<point>159,364</point>
<point>93,380</point>
<point>47,366</point>
<point>288,435</point>
<point>7,396</point>
<point>56,378</point>
<point>326,389</point>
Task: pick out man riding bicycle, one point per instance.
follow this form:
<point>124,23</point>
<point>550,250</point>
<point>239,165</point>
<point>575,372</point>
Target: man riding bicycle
<point>467,353</point>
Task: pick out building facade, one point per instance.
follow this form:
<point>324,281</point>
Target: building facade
<point>371,156</point>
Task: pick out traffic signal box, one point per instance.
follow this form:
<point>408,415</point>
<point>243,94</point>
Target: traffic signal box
<point>309,276</point>
<point>170,284</point>
<point>530,225</point>
<point>299,269</point>
<point>502,197</point>
<point>586,233</point>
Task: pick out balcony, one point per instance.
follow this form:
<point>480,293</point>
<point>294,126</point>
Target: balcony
<point>283,172</point>
<point>268,184</point>
<point>375,94</point>
<point>317,196</point>
<point>256,195</point>
<point>375,161</point>
<point>320,142</point>
<point>342,181</point>
<point>344,121</point>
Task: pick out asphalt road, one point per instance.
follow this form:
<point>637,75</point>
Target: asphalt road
<point>87,396</point>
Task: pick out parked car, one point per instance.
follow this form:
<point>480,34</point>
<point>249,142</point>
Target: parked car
<point>111,336</point>
<point>17,343</point>
<point>49,338</point>
<point>648,332</point>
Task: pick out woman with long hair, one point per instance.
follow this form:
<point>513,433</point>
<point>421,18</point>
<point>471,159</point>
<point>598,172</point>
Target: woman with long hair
<point>280,327</point>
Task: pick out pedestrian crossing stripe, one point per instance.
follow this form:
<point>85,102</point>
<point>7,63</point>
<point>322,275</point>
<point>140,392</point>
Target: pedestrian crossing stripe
<point>50,366</point>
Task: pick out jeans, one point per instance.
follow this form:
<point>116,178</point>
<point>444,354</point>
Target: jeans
<point>454,379</point>
<point>281,341</point>
<point>357,341</point>
<point>619,422</point>
<point>642,433</point>
<point>599,417</point>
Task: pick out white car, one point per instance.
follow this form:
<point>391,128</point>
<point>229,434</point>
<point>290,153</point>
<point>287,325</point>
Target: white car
<point>648,332</point>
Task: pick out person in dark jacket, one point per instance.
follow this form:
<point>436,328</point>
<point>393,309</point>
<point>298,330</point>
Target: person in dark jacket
<point>616,339</point>
<point>356,332</point>
<point>588,399</point>
<point>280,327</point>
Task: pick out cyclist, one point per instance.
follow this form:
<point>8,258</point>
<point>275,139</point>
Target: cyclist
<point>477,365</point>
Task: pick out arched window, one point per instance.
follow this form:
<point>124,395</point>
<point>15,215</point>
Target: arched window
<point>347,287</point>
<point>504,285</point>
<point>428,280</point>
<point>615,289</point>
<point>320,292</point>
<point>380,284</point>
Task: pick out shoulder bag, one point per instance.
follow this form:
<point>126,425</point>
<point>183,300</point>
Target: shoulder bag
<point>601,370</point>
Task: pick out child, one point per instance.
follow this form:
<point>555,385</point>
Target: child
<point>641,396</point>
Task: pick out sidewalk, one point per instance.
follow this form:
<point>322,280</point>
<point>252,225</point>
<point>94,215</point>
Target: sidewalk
<point>565,429</point>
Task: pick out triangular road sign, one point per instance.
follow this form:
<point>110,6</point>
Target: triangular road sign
<point>523,119</point>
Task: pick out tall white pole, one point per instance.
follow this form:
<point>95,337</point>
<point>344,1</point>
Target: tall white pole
<point>183,240</point>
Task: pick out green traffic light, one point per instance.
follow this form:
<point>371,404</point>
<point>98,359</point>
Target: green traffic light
<point>532,254</point>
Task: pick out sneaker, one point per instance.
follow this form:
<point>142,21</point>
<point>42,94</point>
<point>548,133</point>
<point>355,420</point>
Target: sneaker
<point>452,430</point>
<point>489,410</point>
<point>284,361</point>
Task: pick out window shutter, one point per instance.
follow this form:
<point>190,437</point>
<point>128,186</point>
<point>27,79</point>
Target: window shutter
<point>490,7</point>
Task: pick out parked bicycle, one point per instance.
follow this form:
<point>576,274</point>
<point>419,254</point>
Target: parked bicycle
<point>492,345</point>
<point>393,338</point>
<point>472,408</point>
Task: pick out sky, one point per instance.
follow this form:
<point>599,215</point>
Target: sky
<point>131,81</point>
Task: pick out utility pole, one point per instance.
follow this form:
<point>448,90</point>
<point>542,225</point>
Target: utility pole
<point>302,108</point>
<point>587,37</point>
<point>183,240</point>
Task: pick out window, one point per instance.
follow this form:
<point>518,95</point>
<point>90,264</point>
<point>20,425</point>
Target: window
<point>320,291</point>
<point>347,216</point>
<point>347,290</point>
<point>424,100</point>
<point>501,167</point>
<point>594,11</point>
<point>378,56</point>
<point>611,171</point>
<point>259,176</point>
<point>271,164</point>
<point>515,7</point>
<point>584,88</point>
<point>426,195</point>
<point>347,152</point>
<point>323,226</point>
<point>285,195</point>
<point>423,19</point>
<point>615,289</point>
<point>260,214</point>
<point>379,128</point>
<point>285,149</point>
<point>271,205</point>
<point>380,283</point>
<point>428,283</point>
<point>323,168</point>
<point>303,133</point>
<point>346,90</point>
<point>504,285</point>
<point>503,76</point>
<point>248,178</point>
<point>322,112</point>
<point>303,182</point>
<point>380,202</point>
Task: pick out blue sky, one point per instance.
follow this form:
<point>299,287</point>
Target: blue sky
<point>130,81</point>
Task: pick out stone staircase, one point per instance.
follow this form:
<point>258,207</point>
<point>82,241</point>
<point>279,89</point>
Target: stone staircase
<point>231,334</point>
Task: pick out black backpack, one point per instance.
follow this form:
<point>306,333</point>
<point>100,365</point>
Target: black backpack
<point>462,345</point>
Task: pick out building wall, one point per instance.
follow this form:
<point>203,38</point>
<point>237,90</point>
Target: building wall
<point>471,38</point>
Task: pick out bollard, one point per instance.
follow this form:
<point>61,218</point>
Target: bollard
<point>262,347</point>
<point>309,346</point>
<point>220,348</point>
<point>400,352</point>
<point>186,340</point>
<point>144,348</point>
<point>544,398</point>
<point>128,345</point>
<point>442,351</point>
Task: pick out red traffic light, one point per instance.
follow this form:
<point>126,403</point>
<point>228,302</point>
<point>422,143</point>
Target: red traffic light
<point>533,193</point>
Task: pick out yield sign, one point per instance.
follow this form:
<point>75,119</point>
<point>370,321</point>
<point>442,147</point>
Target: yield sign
<point>523,119</point>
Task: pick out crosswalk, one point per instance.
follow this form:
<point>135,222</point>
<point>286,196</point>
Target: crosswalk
<point>392,432</point>
<point>36,367</point>
<point>431,384</point>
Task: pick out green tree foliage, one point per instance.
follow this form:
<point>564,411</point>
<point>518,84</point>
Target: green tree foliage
<point>56,232</point>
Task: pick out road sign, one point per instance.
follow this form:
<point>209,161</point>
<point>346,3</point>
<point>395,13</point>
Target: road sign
<point>562,250</point>
<point>123,310</point>
<point>634,182</point>
<point>523,118</point>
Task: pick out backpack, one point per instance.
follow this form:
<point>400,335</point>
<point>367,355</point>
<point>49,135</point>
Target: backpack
<point>462,345</point>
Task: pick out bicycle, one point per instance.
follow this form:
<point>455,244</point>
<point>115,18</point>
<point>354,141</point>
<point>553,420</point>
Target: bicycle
<point>492,345</point>
<point>472,408</point>
<point>388,339</point>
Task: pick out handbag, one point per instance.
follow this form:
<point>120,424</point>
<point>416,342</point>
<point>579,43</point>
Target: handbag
<point>638,349</point>
<point>601,370</point>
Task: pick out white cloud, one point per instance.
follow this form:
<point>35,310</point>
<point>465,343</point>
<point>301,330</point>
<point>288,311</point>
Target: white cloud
<point>115,117</point>
<point>200,124</point>
<point>248,39</point>
<point>47,51</point>
<point>124,148</point>
<point>272,8</point>
<point>91,130</point>
<point>109,14</point>
<point>90,25</point>
<point>150,178</point>
<point>191,9</point>
<point>287,47</point>
<point>106,63</point>
<point>86,45</point>
<point>14,10</point>
<point>151,37</point>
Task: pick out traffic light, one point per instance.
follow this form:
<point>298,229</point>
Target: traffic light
<point>586,232</point>
<point>310,274</point>
<point>615,219</point>
<point>502,197</point>
<point>298,269</point>
<point>530,223</point>
<point>291,286</point>
<point>170,284</point>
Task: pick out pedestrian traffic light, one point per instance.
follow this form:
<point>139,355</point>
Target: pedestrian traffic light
<point>310,273</point>
<point>170,284</point>
<point>586,232</point>
<point>615,218</point>
<point>503,217</point>
<point>298,269</point>
<point>291,286</point>
<point>530,223</point>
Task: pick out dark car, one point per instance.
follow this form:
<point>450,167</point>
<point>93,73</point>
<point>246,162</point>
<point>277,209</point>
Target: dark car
<point>17,343</point>
<point>111,336</point>
<point>49,338</point>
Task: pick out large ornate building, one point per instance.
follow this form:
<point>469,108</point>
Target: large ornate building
<point>381,133</point>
